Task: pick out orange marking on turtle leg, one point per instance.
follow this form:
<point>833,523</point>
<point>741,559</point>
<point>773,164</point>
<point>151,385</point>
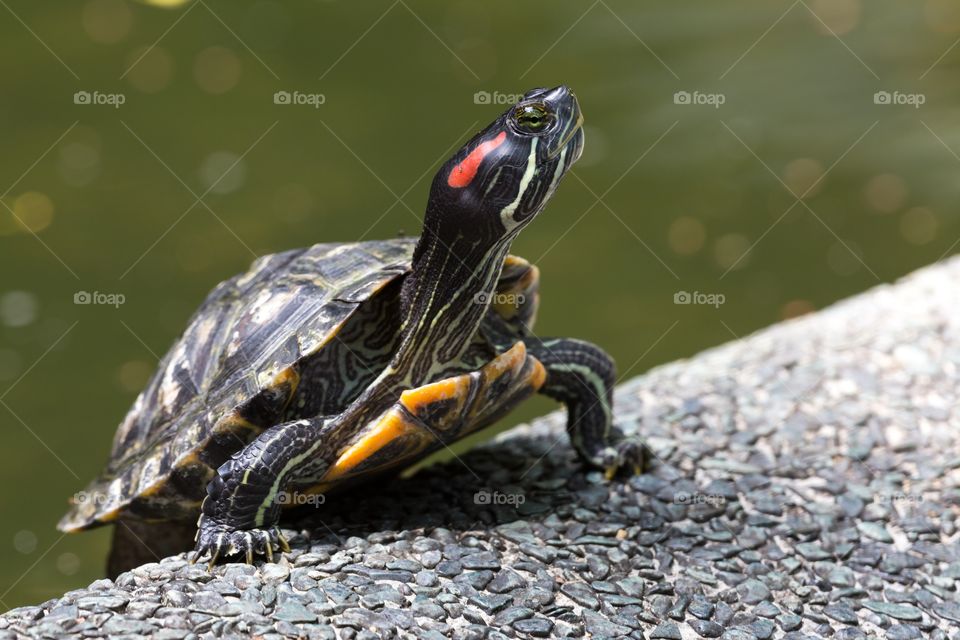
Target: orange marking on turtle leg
<point>389,427</point>
<point>433,414</point>
<point>538,376</point>
<point>509,360</point>
<point>415,400</point>
<point>528,375</point>
<point>404,421</point>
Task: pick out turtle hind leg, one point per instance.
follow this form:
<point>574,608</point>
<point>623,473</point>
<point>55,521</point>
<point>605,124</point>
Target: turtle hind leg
<point>582,376</point>
<point>136,542</point>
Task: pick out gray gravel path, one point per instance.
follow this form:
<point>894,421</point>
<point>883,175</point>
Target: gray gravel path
<point>807,485</point>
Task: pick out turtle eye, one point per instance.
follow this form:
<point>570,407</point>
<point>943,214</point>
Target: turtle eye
<point>532,118</point>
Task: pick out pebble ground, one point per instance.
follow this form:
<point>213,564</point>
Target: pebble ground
<point>806,484</point>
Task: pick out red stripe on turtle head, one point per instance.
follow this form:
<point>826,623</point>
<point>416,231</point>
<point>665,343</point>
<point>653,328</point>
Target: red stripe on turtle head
<point>464,172</point>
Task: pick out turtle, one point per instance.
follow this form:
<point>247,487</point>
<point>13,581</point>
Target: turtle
<point>324,367</point>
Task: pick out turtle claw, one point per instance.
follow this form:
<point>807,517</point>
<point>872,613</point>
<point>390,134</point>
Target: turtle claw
<point>213,559</point>
<point>219,541</point>
<point>629,453</point>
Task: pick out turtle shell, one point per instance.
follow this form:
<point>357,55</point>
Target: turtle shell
<point>301,333</point>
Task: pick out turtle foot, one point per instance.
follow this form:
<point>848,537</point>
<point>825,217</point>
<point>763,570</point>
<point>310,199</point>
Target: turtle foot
<point>219,541</point>
<point>629,454</point>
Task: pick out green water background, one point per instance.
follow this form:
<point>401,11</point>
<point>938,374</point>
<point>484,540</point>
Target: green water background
<point>668,198</point>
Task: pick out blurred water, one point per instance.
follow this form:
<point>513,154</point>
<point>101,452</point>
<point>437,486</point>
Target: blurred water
<point>121,190</point>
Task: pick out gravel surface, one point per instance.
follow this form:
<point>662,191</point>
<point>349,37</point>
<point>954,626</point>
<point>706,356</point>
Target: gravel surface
<point>807,485</point>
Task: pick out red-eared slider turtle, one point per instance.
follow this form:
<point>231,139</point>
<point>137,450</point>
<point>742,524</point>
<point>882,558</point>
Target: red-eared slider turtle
<point>328,365</point>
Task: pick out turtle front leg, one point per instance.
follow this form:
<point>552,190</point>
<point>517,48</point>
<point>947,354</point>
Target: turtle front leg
<point>240,513</point>
<point>581,375</point>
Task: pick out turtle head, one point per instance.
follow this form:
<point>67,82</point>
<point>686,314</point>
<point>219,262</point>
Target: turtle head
<point>500,180</point>
<point>480,199</point>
